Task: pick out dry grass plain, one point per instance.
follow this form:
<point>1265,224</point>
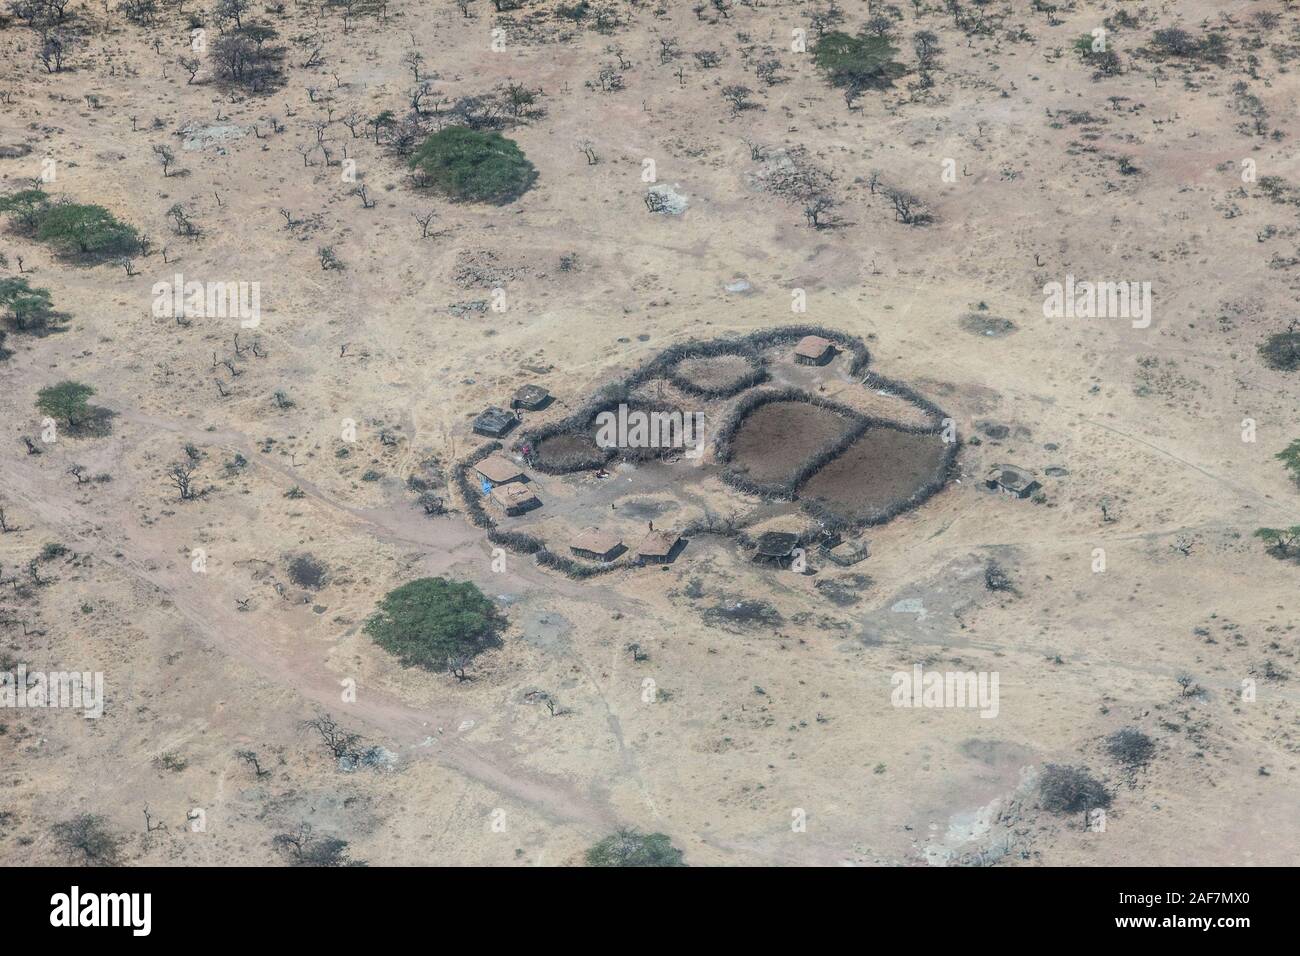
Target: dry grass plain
<point>749,724</point>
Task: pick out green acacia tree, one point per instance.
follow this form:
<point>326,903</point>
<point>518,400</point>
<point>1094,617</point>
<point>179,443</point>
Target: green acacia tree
<point>67,401</point>
<point>1290,459</point>
<point>430,622</point>
<point>1285,541</point>
<point>26,206</point>
<point>30,309</point>
<point>86,229</point>
<point>472,165</point>
<point>857,63</point>
<point>633,848</point>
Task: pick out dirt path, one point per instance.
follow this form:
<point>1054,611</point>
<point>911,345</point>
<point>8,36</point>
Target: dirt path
<point>269,645</point>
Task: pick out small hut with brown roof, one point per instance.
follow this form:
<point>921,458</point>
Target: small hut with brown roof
<point>597,545</point>
<point>814,350</point>
<point>514,499</point>
<point>659,547</point>
<point>500,470</point>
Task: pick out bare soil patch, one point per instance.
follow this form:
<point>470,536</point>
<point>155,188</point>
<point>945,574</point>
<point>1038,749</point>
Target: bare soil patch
<point>716,373</point>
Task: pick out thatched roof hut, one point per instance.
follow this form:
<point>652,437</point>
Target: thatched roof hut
<point>494,422</point>
<point>814,350</point>
<point>514,499</point>
<point>531,397</point>
<point>500,470</point>
<point>597,545</point>
<point>659,547</point>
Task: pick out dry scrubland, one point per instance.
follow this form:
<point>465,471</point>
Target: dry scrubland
<point>772,689</point>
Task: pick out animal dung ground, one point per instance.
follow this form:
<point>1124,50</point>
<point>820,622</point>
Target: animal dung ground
<point>885,465</point>
<point>775,440</point>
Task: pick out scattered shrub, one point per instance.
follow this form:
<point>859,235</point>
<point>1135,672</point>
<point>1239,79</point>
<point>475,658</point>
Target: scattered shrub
<point>1177,43</point>
<point>1281,351</point>
<point>27,206</point>
<point>246,57</point>
<point>30,310</point>
<point>632,848</point>
<point>1283,542</point>
<point>1131,747</point>
<point>1290,459</point>
<point>88,838</point>
<point>303,848</point>
<point>1063,789</point>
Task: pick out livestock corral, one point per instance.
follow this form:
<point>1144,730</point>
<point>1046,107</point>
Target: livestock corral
<point>821,447</point>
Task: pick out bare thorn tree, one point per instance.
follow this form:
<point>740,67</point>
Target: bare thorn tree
<point>249,757</point>
<point>339,742</point>
<point>182,476</point>
<point>424,222</point>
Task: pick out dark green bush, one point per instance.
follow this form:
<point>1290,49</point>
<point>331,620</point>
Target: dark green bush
<point>26,206</point>
<point>1131,747</point>
<point>429,621</point>
<point>66,401</point>
<point>30,310</point>
<point>857,63</point>
<point>1063,789</point>
<point>1281,351</point>
<point>472,165</point>
<point>88,230</point>
<point>632,848</point>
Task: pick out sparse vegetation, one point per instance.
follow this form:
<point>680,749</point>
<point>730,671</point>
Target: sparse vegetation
<point>85,230</point>
<point>1283,542</point>
<point>304,847</point>
<point>462,214</point>
<point>1290,459</point>
<point>28,309</point>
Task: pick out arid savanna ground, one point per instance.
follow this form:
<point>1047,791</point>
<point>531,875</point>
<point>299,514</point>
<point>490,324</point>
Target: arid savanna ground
<point>756,727</point>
